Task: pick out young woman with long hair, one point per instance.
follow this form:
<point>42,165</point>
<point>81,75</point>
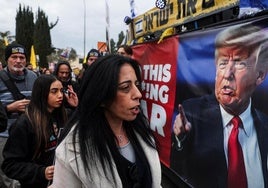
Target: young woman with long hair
<point>29,151</point>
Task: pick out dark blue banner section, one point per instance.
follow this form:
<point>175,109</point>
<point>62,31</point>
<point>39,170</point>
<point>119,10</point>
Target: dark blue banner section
<point>196,66</point>
<point>221,76</point>
<point>262,4</point>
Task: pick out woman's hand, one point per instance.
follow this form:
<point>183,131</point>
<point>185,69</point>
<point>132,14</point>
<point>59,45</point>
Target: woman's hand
<point>71,97</point>
<point>49,172</point>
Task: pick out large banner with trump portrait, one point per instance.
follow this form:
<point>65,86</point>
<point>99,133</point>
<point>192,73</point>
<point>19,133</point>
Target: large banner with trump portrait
<point>189,65</point>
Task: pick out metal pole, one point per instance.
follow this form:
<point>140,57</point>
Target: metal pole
<point>84,28</point>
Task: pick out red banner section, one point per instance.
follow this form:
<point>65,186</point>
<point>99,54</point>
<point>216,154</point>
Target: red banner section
<point>159,67</point>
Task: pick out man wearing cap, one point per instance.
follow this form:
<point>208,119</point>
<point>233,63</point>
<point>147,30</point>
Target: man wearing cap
<point>92,56</point>
<point>23,79</point>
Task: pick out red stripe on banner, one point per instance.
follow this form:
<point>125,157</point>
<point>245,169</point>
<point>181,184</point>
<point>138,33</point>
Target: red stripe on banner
<point>159,67</point>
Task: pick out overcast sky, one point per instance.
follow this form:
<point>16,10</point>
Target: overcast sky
<point>69,32</point>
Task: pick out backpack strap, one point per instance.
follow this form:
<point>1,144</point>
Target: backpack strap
<point>17,95</point>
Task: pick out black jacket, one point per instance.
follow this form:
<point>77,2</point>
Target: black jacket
<point>19,151</point>
<point>3,118</point>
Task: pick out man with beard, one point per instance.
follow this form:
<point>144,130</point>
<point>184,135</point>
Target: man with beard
<point>15,90</point>
<point>63,72</point>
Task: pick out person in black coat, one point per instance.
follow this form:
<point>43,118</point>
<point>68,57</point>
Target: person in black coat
<point>29,151</point>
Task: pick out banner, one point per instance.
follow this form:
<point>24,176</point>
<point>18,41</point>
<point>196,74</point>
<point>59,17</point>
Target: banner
<point>159,75</point>
<point>261,4</point>
<point>102,47</point>
<point>33,58</point>
<point>184,67</point>
<point>6,41</point>
<point>178,13</point>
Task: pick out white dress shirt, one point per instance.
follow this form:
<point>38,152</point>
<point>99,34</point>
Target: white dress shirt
<point>249,144</point>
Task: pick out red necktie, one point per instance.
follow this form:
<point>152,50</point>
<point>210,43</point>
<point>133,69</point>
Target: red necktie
<point>236,168</point>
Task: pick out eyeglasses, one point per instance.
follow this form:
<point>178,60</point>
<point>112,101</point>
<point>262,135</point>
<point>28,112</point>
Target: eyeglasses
<point>238,64</point>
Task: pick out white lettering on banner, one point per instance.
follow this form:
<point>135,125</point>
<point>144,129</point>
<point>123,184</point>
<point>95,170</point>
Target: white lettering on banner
<point>155,88</point>
<point>156,92</point>
<point>158,117</point>
<point>157,72</point>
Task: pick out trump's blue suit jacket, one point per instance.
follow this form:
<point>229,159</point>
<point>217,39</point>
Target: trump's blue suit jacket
<point>201,158</point>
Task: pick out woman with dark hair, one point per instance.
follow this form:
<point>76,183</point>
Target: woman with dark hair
<point>125,50</point>
<point>110,143</point>
<point>29,150</point>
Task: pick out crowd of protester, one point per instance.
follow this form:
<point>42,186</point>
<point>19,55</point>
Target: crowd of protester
<point>58,130</point>
<point>38,109</point>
